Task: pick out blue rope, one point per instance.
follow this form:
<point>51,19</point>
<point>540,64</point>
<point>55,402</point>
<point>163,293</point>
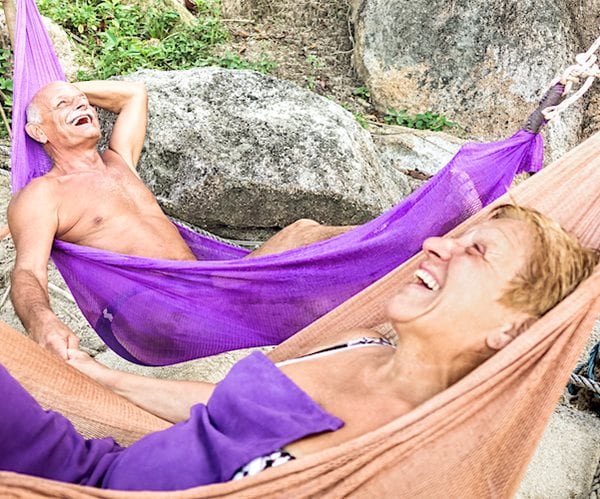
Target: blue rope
<point>588,368</point>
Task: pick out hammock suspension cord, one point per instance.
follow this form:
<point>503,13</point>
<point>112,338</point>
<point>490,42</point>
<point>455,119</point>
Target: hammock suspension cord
<point>586,67</point>
<point>584,375</point>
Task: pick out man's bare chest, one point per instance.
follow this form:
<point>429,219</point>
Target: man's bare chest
<point>94,201</point>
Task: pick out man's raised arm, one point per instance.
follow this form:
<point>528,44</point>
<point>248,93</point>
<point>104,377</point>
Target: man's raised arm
<point>32,218</point>
<point>129,100</point>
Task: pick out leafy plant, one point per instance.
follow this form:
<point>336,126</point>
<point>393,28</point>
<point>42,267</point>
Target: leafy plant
<point>121,37</point>
<point>311,82</point>
<point>421,121</point>
<point>362,92</point>
<point>313,61</point>
<point>6,91</point>
<point>362,121</point>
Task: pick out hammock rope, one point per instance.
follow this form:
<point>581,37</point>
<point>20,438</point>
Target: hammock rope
<point>595,488</point>
<point>586,67</point>
<point>478,435</point>
<point>584,375</point>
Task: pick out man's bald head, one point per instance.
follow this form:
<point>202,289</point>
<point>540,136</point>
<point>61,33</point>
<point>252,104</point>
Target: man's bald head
<point>41,99</point>
<point>60,116</point>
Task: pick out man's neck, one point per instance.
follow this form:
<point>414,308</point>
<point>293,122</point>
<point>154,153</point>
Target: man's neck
<point>73,161</point>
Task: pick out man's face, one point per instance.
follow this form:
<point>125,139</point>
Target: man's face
<point>460,282</point>
<point>66,115</point>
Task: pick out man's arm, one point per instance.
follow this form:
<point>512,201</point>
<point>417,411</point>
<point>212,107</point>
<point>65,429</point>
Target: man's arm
<point>33,221</point>
<point>129,100</point>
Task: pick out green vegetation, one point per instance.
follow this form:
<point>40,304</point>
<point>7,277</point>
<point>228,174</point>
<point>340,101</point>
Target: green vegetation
<point>359,117</point>
<point>362,92</point>
<point>313,61</point>
<point>6,85</point>
<point>118,37</point>
<point>421,121</point>
<point>362,121</point>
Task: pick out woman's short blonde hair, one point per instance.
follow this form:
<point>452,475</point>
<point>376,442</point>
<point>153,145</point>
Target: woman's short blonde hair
<point>558,263</point>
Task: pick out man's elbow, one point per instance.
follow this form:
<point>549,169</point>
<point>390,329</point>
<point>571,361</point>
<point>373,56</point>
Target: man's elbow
<point>139,90</point>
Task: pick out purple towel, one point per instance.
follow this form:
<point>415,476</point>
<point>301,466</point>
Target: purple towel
<point>254,411</point>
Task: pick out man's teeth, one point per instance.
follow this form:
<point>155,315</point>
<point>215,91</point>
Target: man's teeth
<point>427,279</point>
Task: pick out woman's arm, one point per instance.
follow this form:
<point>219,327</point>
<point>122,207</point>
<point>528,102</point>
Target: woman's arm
<point>168,399</point>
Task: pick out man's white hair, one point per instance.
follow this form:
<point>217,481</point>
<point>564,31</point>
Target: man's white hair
<point>34,115</point>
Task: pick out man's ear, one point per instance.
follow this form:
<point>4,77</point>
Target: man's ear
<point>36,132</point>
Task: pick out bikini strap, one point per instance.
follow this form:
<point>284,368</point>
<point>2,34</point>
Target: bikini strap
<point>356,343</point>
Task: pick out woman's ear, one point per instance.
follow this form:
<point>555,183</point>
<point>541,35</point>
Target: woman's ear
<point>36,132</point>
<point>502,336</point>
<point>499,338</point>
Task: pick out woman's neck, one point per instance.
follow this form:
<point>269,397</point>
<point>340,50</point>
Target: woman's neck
<point>419,370</point>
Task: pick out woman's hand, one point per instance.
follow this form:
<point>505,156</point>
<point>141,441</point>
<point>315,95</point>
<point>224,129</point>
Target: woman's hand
<point>92,368</point>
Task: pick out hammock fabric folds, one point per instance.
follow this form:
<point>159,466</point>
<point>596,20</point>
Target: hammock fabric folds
<point>470,441</point>
<point>161,312</point>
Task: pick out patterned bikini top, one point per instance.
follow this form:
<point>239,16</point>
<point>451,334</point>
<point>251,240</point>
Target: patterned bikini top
<point>365,341</point>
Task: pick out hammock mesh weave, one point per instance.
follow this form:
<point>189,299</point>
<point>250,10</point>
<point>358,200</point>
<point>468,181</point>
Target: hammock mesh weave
<point>160,312</point>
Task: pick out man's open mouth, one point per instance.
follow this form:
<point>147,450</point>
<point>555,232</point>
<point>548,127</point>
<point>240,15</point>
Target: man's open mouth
<point>84,119</point>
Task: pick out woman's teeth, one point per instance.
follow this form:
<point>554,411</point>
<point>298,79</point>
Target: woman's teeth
<point>427,279</point>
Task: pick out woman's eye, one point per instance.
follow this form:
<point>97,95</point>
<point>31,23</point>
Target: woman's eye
<point>478,249</point>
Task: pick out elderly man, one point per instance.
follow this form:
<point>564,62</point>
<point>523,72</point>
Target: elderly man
<point>96,199</point>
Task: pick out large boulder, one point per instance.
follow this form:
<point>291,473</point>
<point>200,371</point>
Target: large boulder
<point>418,154</point>
<point>483,64</point>
<point>240,150</point>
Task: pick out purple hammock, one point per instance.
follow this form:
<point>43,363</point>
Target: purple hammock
<point>160,312</point>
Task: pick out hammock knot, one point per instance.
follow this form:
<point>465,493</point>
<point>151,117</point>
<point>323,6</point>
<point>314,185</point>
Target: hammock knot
<point>585,69</point>
<point>584,377</point>
<point>552,98</point>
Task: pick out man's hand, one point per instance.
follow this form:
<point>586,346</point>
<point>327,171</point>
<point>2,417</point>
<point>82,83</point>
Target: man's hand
<point>55,336</point>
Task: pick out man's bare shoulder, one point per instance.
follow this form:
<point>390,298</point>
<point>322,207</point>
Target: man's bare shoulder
<point>41,193</point>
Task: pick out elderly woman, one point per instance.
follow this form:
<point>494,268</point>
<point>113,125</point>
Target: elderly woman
<point>470,297</point>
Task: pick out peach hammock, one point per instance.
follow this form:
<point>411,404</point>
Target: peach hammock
<point>473,440</point>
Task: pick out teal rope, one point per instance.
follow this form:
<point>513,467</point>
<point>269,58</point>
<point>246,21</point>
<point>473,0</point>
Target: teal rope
<point>584,374</point>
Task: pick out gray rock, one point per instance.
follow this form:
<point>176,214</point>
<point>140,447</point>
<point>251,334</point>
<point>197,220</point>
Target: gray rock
<point>419,154</point>
<point>482,64</point>
<point>244,150</point>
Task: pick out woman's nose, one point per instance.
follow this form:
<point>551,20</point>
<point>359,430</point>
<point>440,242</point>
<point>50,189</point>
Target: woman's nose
<point>441,247</point>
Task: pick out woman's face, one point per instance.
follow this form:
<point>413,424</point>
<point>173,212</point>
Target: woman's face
<point>458,285</point>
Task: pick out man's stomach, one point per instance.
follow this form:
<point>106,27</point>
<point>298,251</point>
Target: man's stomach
<point>148,236</point>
